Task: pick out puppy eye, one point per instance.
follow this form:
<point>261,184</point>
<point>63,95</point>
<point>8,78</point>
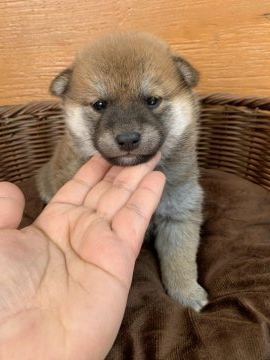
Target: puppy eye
<point>100,105</point>
<point>153,102</point>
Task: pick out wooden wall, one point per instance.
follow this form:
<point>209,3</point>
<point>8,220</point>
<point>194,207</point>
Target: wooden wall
<point>227,40</point>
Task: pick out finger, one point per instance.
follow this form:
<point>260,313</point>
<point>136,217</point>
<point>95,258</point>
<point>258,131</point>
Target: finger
<point>121,188</point>
<point>102,187</point>
<point>132,220</point>
<point>75,190</point>
<point>11,205</point>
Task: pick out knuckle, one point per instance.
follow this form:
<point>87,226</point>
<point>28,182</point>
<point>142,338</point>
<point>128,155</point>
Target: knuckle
<point>122,185</point>
<point>137,210</point>
<point>79,181</point>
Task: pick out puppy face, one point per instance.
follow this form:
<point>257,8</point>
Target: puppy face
<point>127,96</point>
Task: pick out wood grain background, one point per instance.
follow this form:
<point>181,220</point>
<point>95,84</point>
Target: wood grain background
<point>227,40</point>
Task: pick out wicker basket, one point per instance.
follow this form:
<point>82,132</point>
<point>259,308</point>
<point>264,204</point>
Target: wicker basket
<point>234,137</point>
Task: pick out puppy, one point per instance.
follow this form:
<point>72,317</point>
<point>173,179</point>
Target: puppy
<point>128,96</point>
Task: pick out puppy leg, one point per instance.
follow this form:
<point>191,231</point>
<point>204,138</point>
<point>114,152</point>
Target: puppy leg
<point>61,167</point>
<point>176,244</point>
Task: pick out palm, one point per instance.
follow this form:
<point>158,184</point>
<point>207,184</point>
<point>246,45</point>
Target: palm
<point>73,289</point>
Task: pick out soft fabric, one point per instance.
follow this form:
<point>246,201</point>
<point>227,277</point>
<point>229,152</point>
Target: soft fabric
<point>234,267</point>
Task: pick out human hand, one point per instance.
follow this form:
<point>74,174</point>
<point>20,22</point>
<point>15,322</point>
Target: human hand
<point>65,279</point>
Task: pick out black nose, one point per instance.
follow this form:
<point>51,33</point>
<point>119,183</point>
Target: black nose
<point>128,141</point>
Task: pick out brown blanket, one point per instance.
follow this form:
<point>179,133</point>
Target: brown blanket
<point>234,267</point>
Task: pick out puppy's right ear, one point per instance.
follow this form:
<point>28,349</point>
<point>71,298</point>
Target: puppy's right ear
<point>60,84</point>
<point>189,74</point>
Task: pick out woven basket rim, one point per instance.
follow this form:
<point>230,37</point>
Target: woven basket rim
<point>233,130</point>
<point>261,103</point>
<point>256,102</point>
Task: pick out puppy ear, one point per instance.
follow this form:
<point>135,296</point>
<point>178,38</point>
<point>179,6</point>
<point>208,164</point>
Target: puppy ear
<point>60,84</point>
<point>188,72</point>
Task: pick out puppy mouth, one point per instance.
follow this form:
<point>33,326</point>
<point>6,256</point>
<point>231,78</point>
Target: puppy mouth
<point>130,159</point>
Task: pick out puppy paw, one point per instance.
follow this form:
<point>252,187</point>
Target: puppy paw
<point>194,297</point>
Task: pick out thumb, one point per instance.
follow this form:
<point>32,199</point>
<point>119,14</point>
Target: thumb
<point>11,205</point>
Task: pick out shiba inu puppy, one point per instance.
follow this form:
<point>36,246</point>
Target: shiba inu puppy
<point>128,96</point>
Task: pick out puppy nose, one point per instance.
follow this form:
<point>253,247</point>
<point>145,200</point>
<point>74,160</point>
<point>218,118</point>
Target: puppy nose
<point>128,141</point>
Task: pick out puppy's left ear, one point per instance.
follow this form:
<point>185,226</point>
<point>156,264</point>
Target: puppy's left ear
<point>189,74</point>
